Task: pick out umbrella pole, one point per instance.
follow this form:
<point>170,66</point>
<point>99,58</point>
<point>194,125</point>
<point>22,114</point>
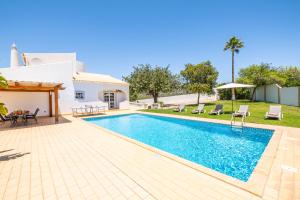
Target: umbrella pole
<point>231,105</point>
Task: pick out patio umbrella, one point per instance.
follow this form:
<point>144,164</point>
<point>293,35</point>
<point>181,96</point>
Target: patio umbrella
<point>234,85</point>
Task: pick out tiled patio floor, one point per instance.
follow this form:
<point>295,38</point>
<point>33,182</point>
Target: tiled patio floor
<point>73,160</point>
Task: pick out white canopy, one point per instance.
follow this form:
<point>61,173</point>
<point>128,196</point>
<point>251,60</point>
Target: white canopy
<point>235,85</point>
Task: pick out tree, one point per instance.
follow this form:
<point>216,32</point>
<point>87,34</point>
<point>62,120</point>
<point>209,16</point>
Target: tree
<point>259,75</point>
<point>151,80</point>
<point>291,75</point>
<point>3,84</point>
<point>200,78</point>
<point>234,45</point>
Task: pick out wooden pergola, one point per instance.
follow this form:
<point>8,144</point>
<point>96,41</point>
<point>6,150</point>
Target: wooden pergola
<point>33,86</point>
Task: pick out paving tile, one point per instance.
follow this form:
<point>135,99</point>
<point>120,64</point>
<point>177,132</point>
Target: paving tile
<point>74,160</point>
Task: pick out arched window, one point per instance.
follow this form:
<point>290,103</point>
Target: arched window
<point>36,61</point>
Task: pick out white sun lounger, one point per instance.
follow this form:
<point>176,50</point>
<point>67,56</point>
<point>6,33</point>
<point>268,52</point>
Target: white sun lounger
<point>274,113</point>
<point>242,112</point>
<point>199,109</point>
<point>180,108</point>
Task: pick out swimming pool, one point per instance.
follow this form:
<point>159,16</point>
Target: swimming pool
<point>231,151</point>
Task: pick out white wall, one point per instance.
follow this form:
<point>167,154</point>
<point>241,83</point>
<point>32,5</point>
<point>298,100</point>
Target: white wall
<point>287,95</point>
<point>79,67</point>
<point>124,105</point>
<point>186,99</point>
<point>260,94</point>
<point>272,93</point>
<point>290,96</point>
<point>25,101</point>
<point>94,92</point>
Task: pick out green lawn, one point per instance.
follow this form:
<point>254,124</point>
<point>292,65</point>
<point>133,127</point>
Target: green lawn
<point>291,114</point>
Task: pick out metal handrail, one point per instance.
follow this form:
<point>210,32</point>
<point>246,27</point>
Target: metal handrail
<point>232,121</point>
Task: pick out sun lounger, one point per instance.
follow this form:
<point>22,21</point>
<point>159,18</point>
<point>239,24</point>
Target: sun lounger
<point>274,113</point>
<point>155,106</point>
<point>242,112</point>
<point>180,108</point>
<point>218,110</point>
<point>199,109</point>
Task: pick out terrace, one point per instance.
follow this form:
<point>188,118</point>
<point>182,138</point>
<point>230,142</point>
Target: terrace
<point>75,160</point>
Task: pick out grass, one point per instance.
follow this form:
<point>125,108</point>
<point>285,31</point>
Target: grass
<point>291,114</point>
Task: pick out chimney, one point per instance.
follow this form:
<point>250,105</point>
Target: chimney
<point>14,58</point>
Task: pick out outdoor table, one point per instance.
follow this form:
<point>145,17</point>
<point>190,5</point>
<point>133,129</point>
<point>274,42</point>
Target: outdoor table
<point>16,115</point>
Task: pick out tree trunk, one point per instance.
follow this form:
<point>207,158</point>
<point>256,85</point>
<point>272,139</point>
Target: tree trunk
<point>252,96</point>
<point>198,98</point>
<point>155,97</point>
<point>232,71</point>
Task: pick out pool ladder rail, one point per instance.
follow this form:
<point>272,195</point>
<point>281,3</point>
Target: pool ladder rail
<point>232,122</point>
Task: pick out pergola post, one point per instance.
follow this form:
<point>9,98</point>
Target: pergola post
<point>56,103</point>
<point>50,104</point>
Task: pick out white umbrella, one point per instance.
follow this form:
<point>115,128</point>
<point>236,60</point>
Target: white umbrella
<point>234,85</point>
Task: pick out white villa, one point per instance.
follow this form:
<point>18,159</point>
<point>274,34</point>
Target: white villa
<point>42,76</point>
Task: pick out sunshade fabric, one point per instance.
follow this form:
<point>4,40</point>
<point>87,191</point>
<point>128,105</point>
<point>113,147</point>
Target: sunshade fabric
<point>234,85</point>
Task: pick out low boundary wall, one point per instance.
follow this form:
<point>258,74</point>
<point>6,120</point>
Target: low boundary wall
<point>276,94</point>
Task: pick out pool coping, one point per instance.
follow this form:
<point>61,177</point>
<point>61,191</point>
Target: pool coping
<point>258,179</point>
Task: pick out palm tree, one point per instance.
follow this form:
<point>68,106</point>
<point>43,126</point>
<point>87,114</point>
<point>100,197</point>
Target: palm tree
<point>234,45</point>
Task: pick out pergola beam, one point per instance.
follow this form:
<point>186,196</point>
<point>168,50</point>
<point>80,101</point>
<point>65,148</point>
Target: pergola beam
<point>29,89</point>
<point>33,85</point>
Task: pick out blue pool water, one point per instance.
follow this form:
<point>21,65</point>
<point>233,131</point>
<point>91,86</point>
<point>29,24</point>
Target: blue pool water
<point>231,151</point>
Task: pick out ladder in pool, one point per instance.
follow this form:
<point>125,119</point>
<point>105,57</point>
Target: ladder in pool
<point>232,122</point>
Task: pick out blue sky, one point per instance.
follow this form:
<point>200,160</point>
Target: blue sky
<point>112,36</point>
